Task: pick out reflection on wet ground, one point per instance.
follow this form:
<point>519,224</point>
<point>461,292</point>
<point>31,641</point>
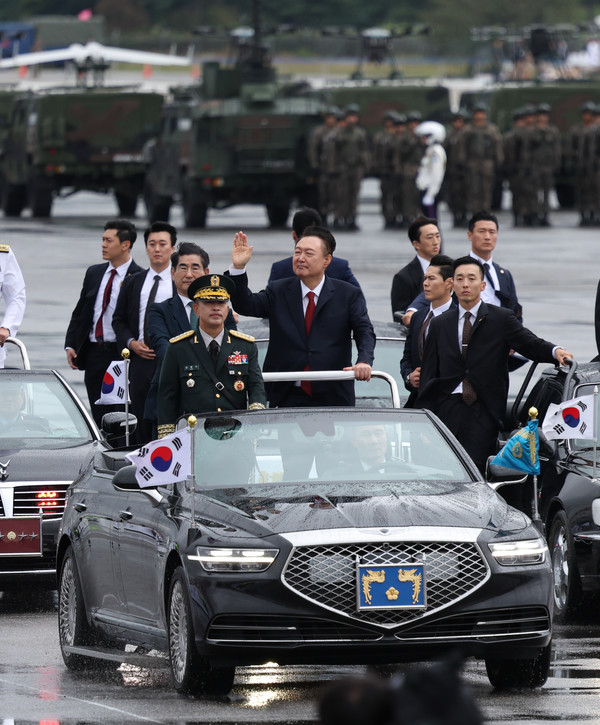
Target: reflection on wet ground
<point>28,602</point>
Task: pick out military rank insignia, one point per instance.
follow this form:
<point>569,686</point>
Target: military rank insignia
<point>391,587</point>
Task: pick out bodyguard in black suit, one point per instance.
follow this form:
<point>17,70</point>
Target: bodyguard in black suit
<point>464,376</point>
<point>424,235</point>
<point>339,311</point>
<point>437,286</point>
<point>130,320</point>
<point>338,269</point>
<point>91,342</point>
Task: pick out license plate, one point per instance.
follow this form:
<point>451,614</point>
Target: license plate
<point>394,586</point>
<point>21,536</point>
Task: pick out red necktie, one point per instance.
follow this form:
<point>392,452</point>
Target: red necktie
<point>308,318</point>
<point>99,331</point>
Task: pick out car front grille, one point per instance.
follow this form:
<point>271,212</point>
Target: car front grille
<point>326,575</point>
<point>519,621</point>
<point>258,629</point>
<point>49,497</point>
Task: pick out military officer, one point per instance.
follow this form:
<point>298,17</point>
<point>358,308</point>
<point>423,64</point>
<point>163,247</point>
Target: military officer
<point>12,288</point>
<point>384,144</point>
<point>209,368</point>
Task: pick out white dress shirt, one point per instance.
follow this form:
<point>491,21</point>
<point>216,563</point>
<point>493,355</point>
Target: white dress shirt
<point>109,333</point>
<point>163,292</point>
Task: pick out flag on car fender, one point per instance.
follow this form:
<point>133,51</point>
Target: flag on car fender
<point>571,419</point>
<point>164,461</point>
<point>115,385</point>
<point>521,451</point>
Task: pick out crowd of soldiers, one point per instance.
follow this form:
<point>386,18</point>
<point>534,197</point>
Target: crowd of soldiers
<point>480,160</point>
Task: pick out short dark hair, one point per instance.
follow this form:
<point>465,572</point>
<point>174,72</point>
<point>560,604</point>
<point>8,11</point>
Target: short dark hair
<point>186,248</point>
<point>461,261</point>
<point>446,265</point>
<point>414,230</point>
<point>305,217</point>
<point>324,235</point>
<point>126,230</point>
<point>483,216</point>
<point>161,227</point>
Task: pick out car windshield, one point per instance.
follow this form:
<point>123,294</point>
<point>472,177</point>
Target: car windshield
<point>337,446</point>
<point>38,411</point>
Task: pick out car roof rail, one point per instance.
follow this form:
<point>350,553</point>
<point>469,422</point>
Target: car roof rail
<point>325,375</point>
<point>22,349</point>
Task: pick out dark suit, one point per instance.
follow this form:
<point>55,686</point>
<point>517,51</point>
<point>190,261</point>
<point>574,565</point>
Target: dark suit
<point>406,285</point>
<point>495,332</point>
<point>340,312</point>
<point>338,269</point>
<point>506,293</point>
<point>93,358</point>
<point>411,357</point>
<point>166,320</point>
<point>126,323</point>
<point>597,319</point>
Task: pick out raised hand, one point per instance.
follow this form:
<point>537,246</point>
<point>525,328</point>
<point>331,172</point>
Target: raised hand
<point>241,251</point>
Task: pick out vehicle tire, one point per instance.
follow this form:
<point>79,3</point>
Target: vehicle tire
<point>565,192</point>
<point>567,591</point>
<point>523,674</point>
<point>127,204</point>
<point>278,214</point>
<point>158,208</point>
<point>73,627</point>
<point>14,198</point>
<point>40,198</point>
<point>191,675</point>
<point>194,211</point>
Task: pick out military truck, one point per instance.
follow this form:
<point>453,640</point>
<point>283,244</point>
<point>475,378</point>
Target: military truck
<point>66,140</point>
<point>238,139</point>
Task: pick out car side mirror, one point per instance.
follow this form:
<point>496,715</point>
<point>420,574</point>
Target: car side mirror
<point>498,476</point>
<point>113,424</point>
<point>125,480</point>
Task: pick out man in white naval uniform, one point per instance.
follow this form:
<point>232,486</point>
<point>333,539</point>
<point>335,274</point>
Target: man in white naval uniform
<point>12,289</point>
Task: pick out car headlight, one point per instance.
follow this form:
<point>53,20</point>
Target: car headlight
<point>234,560</point>
<point>515,553</point>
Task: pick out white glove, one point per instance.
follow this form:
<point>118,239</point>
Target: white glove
<point>428,199</point>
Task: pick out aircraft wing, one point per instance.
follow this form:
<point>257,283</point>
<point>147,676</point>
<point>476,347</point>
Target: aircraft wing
<point>93,53</point>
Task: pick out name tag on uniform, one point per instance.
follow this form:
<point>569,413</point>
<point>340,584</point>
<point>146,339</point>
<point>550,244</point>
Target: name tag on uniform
<point>187,368</point>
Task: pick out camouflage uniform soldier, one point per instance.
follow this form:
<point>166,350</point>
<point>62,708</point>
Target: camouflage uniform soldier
<point>577,153</point>
<point>400,130</point>
<point>383,166</point>
<point>348,158</point>
<point>316,157</point>
<point>410,153</point>
<point>525,149</point>
<point>481,153</point>
<point>545,161</point>
<point>455,185</point>
<point>511,143</point>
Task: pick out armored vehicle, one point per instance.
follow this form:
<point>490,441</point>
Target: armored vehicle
<point>240,138</point>
<point>67,140</point>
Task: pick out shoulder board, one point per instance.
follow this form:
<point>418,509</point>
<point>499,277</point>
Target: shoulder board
<point>183,336</point>
<point>4,247</point>
<point>241,335</point>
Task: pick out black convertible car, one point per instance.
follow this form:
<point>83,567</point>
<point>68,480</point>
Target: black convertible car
<point>303,536</point>
<point>569,490</point>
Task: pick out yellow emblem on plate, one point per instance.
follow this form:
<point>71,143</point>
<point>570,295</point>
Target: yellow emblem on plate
<point>11,536</point>
<point>392,593</point>
<point>239,385</point>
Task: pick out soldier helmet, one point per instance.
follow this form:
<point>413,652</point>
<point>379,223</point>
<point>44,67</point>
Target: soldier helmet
<point>400,119</point>
<point>352,109</point>
<point>433,130</point>
<point>390,116</point>
<point>332,111</point>
<point>543,108</point>
<point>480,106</point>
<point>211,287</point>
<point>461,113</point>
<point>414,117</point>
<point>588,107</point>
<point>517,113</point>
<point>529,109</point>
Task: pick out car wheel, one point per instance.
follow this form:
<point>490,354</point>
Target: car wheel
<point>190,673</point>
<point>73,628</point>
<point>525,674</point>
<point>567,593</point>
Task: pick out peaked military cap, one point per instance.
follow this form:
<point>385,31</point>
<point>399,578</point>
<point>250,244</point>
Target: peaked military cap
<point>216,287</point>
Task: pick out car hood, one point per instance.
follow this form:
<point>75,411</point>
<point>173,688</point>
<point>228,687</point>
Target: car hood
<point>283,509</point>
<point>63,464</point>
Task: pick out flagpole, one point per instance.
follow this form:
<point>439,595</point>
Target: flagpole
<point>536,518</point>
<point>595,429</point>
<point>191,479</point>
<point>125,355</point>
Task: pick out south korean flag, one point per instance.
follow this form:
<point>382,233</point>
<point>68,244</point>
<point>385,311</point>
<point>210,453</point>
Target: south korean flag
<point>571,419</point>
<point>164,461</point>
<point>115,385</point>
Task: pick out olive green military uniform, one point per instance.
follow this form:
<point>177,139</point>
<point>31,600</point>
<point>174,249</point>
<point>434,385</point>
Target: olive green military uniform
<point>481,153</point>
<point>186,387</point>
<point>348,159</point>
<point>455,180</point>
<point>384,145</point>
<point>546,158</point>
